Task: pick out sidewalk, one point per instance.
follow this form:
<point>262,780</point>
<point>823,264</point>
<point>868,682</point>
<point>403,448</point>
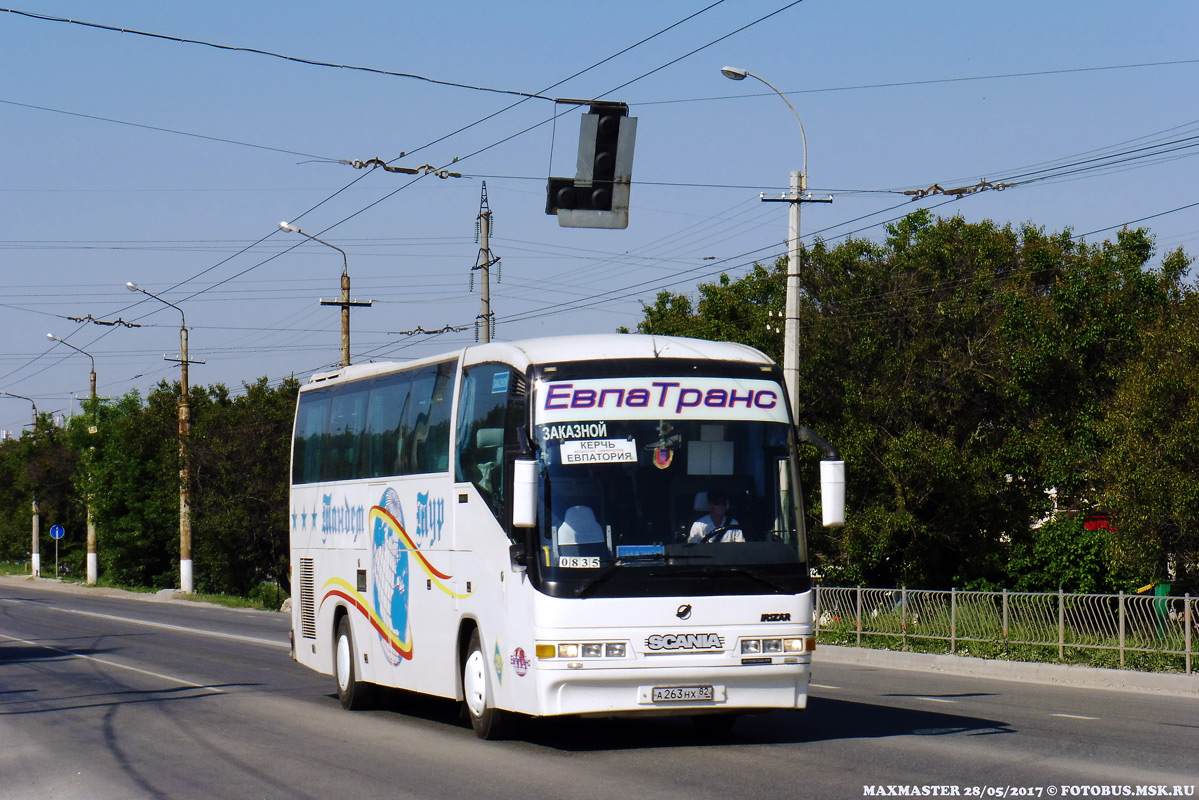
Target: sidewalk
<point>1174,684</point>
<point>70,587</point>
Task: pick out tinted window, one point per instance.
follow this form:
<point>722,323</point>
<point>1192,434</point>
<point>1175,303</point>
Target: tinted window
<point>426,421</point>
<point>383,440</point>
<point>484,427</point>
<point>396,424</point>
<point>347,418</point>
<point>312,424</point>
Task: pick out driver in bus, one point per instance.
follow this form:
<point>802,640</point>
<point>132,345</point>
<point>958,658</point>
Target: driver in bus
<point>716,525</point>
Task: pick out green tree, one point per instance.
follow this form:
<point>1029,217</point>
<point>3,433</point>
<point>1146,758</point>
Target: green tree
<point>41,463</point>
<point>1063,554</point>
<point>963,369</point>
<point>135,474</point>
<point>729,310</point>
<point>1150,457</point>
<point>240,457</point>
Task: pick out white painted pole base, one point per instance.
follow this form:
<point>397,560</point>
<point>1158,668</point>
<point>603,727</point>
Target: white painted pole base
<point>185,576</point>
<point>93,569</point>
<point>37,565</point>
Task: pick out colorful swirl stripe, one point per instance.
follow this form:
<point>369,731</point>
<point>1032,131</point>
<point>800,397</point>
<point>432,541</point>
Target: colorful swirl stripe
<point>336,587</point>
<point>437,576</point>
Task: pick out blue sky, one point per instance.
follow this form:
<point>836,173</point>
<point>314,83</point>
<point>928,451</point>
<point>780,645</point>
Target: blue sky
<point>170,164</point>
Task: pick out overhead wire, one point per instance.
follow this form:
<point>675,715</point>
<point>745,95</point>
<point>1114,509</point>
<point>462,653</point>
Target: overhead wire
<point>526,130</point>
<point>932,81</point>
<point>539,124</point>
<point>257,51</point>
<point>525,96</point>
<point>166,130</point>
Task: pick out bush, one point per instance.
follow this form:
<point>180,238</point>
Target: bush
<point>269,595</point>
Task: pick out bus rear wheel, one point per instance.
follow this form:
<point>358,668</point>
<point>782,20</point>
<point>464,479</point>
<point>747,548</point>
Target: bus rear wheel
<point>354,694</point>
<point>488,721</point>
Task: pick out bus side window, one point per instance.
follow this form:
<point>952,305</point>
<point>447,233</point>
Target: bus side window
<point>312,419</point>
<point>347,419</point>
<point>436,453</point>
<point>426,421</point>
<point>383,440</point>
<point>483,422</point>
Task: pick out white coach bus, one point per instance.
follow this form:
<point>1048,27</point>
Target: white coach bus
<point>588,525</point>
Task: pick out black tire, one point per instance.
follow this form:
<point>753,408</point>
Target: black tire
<point>488,721</point>
<point>355,695</point>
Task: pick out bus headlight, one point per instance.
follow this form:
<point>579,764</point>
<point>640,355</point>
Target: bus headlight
<point>574,650</point>
<point>751,647</point>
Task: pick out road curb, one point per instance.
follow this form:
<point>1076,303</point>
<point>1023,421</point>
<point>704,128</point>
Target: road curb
<point>1057,674</point>
<point>171,596</point>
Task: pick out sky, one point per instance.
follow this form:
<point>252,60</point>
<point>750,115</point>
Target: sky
<point>161,143</point>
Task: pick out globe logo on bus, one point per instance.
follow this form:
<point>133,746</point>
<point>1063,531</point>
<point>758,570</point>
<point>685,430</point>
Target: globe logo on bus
<point>389,573</point>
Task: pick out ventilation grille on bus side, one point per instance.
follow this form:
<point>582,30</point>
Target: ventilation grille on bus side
<point>307,599</point>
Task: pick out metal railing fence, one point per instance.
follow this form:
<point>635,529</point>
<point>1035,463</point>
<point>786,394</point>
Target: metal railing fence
<point>1166,625</point>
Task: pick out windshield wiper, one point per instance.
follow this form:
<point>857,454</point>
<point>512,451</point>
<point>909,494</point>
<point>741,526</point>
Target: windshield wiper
<point>621,561</point>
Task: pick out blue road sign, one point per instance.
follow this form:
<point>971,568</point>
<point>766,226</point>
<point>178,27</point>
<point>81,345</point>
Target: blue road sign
<point>57,531</point>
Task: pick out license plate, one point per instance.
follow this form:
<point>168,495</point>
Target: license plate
<point>673,694</point>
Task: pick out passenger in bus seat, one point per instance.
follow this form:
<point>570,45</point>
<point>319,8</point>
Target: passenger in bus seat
<point>716,518</point>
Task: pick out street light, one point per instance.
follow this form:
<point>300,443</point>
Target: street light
<point>185,522</point>
<point>35,555</point>
<point>799,184</point>
<point>93,567</point>
<point>345,301</point>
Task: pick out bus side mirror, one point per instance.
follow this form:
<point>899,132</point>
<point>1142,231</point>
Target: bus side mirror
<point>524,493</point>
<point>832,493</point>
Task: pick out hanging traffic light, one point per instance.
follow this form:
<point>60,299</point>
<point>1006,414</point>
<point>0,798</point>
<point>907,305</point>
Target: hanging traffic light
<point>598,195</point>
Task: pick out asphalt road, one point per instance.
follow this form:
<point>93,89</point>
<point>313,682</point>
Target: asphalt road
<point>109,697</point>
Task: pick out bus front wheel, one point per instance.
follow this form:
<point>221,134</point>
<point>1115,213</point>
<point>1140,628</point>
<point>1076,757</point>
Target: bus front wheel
<point>487,720</point>
<point>353,693</point>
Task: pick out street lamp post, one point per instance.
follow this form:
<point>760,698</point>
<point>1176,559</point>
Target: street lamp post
<point>186,583</point>
<point>799,184</point>
<point>35,555</point>
<point>345,301</point>
<point>93,567</point>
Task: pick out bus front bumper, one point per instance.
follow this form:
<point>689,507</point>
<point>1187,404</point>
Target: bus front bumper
<point>668,691</point>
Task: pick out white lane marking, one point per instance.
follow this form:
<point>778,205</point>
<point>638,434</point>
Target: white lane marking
<point>1073,716</point>
<point>180,628</point>
<point>106,662</point>
<point>821,686</point>
<point>933,699</point>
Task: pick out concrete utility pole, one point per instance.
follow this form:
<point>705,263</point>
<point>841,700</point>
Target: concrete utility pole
<point>35,555</point>
<point>485,322</point>
<point>345,302</point>
<point>799,185</point>
<point>93,564</point>
<point>186,582</point>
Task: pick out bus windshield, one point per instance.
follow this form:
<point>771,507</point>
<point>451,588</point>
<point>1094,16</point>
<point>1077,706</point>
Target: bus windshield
<point>655,487</point>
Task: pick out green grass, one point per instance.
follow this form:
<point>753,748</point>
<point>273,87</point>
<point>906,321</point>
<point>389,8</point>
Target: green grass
<point>233,601</point>
<point>1004,650</point>
<point>266,597</point>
